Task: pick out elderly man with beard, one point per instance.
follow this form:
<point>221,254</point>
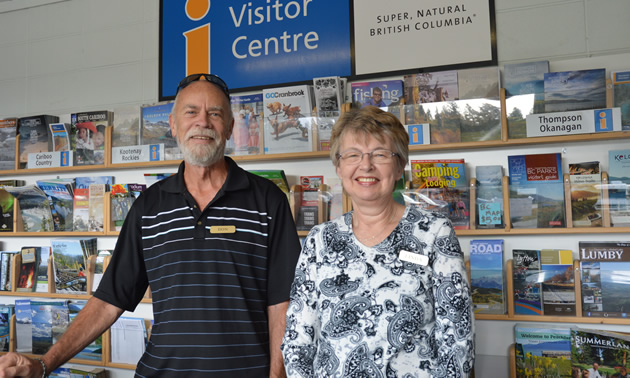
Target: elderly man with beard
<point>218,247</point>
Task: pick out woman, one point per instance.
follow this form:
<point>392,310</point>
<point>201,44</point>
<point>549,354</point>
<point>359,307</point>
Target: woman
<point>382,290</point>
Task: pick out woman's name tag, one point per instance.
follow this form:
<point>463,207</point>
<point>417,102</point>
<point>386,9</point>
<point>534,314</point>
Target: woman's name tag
<point>413,258</point>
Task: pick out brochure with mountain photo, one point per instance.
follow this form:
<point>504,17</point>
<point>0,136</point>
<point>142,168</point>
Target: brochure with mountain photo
<point>155,129</point>
<point>487,277</point>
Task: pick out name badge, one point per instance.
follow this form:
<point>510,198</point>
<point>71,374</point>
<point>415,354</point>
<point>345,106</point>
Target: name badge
<point>222,229</point>
<point>414,258</point>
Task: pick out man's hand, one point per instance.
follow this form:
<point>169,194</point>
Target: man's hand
<point>16,365</point>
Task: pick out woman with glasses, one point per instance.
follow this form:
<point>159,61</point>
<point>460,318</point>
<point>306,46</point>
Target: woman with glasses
<point>381,291</point>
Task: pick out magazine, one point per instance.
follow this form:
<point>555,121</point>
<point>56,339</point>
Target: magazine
<point>441,185</point>
<point>542,350</point>
<point>88,136</point>
<point>155,129</point>
<point>34,208</point>
<point>536,191</point>
<point>60,195</point>
<point>381,93</point>
<point>248,122</point>
<point>288,121</point>
<point>604,351</point>
<point>70,266</point>
<point>604,267</point>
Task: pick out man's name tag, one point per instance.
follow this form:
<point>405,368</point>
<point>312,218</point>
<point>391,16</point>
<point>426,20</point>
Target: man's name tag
<point>222,229</point>
<point>413,258</point>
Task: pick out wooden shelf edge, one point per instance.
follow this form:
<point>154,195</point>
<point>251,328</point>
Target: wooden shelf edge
<point>44,295</point>
<point>554,319</point>
<point>545,231</point>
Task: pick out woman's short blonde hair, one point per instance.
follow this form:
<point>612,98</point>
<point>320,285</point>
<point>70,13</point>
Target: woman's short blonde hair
<point>374,122</point>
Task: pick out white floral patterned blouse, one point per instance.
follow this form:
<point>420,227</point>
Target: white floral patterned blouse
<point>359,311</point>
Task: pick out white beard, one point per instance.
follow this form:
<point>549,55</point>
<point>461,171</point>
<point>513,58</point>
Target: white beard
<point>202,155</point>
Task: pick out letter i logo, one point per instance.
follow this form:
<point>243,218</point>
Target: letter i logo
<point>197,39</point>
<point>415,134</point>
<point>602,118</point>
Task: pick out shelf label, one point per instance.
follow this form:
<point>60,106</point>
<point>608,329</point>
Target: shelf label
<point>54,159</point>
<point>419,134</point>
<point>577,122</point>
<point>138,154</point>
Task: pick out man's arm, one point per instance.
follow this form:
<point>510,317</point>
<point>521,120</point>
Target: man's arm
<point>277,323</point>
<point>96,317</point>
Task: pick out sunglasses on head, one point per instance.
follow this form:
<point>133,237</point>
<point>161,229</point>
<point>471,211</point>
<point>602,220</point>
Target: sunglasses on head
<point>214,79</point>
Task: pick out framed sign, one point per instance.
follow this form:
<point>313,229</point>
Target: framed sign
<point>406,35</point>
<point>254,45</point>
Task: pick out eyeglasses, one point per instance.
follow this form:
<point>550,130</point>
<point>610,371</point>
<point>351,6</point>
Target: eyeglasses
<point>378,156</point>
<point>214,79</point>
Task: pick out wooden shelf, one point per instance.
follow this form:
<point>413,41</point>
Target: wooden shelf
<point>578,318</point>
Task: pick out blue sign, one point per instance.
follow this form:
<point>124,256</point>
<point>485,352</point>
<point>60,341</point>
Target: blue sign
<point>603,120</point>
<point>253,44</point>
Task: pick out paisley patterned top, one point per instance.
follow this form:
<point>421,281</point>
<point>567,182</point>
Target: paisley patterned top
<point>359,311</point>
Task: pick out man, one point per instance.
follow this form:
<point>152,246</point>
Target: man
<point>376,99</point>
<point>218,246</point>
<point>593,372</point>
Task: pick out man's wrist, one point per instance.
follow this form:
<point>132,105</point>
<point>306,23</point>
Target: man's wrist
<point>45,371</point>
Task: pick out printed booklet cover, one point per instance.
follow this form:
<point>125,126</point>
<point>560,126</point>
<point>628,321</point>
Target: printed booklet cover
<point>440,185</point>
<point>586,194</point>
<point>542,350</point>
<point>609,349</point>
<point>382,93</point>
<point>536,191</point>
<point>526,279</point>
<point>487,277</point>
<point>248,122</point>
<point>155,129</point>
<point>604,268</point>
<point>558,283</point>
<point>288,120</point>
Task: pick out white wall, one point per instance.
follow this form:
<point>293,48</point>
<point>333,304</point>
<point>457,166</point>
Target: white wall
<point>80,55</point>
